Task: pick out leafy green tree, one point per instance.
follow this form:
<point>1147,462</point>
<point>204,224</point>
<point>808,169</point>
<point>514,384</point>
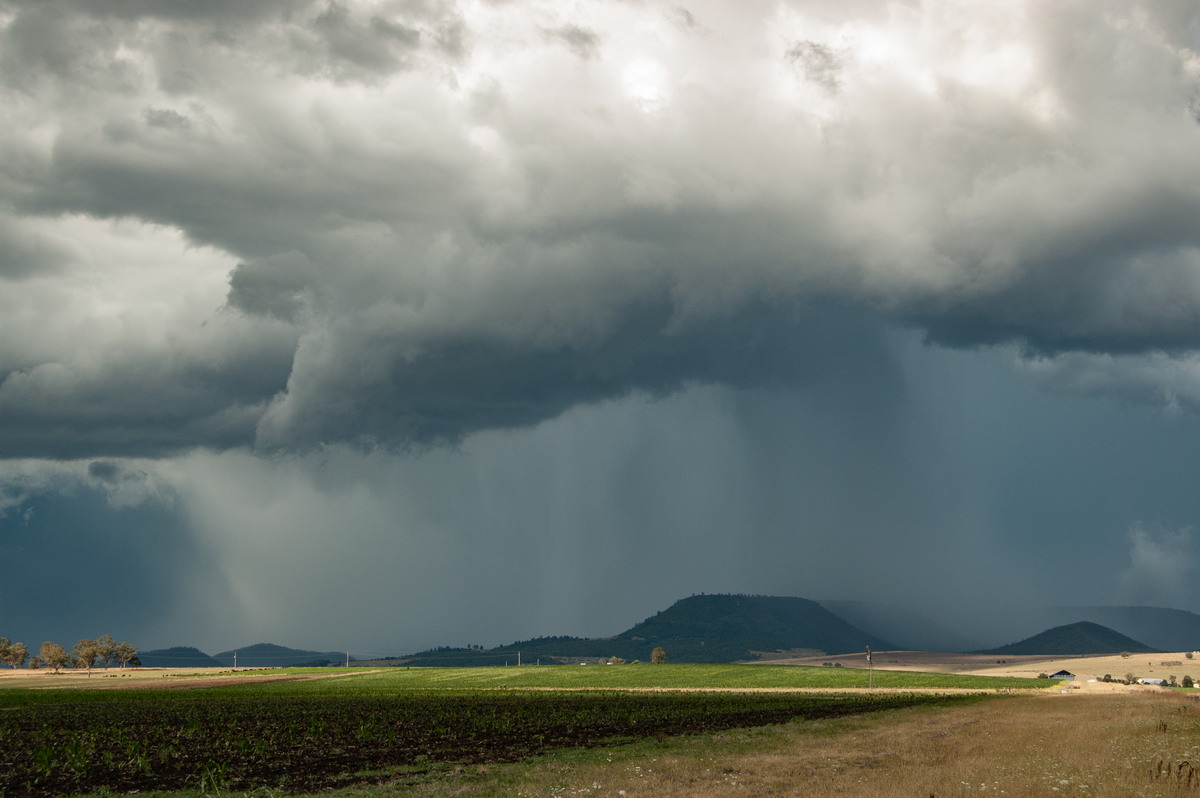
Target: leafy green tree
<point>658,656</point>
<point>52,655</point>
<point>1188,681</point>
<point>5,645</point>
<point>86,652</point>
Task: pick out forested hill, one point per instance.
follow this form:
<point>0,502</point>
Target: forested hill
<point>177,657</point>
<point>725,628</point>
<point>269,655</point>
<point>704,628</point>
<point>1083,637</point>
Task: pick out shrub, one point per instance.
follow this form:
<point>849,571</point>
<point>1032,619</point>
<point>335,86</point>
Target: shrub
<point>1043,676</point>
<point>1188,682</point>
<point>1125,654</point>
<point>1190,654</point>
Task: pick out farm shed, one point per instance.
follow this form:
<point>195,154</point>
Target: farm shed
<point>1065,676</point>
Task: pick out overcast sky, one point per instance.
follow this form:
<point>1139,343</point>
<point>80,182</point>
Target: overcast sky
<point>382,325</point>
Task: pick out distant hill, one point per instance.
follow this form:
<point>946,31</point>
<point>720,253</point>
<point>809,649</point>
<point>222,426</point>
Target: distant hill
<point>706,628</point>
<point>1160,627</point>
<point>177,657</point>
<point>727,628</point>
<point>1082,637</point>
<point>268,655</point>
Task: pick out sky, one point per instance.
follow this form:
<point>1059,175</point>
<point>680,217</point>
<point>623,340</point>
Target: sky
<point>380,325</point>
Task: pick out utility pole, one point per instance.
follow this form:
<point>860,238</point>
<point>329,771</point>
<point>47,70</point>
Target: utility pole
<point>235,660</point>
<point>347,659</point>
<point>870,669</point>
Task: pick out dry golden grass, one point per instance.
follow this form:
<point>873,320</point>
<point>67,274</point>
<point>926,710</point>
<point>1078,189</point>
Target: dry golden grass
<point>1143,743</point>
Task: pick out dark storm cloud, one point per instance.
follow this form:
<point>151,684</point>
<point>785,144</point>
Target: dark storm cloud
<point>442,218</point>
<point>375,396</point>
<point>151,402</point>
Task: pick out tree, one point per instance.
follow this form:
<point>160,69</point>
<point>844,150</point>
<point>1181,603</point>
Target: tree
<point>104,649</point>
<point>124,653</point>
<point>16,655</point>
<point>86,653</point>
<point>1188,681</point>
<point>658,656</point>
<point>52,655</point>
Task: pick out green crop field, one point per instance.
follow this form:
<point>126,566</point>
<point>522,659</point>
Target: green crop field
<point>310,734</point>
<point>626,677</point>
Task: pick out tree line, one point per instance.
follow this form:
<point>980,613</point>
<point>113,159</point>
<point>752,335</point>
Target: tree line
<point>85,654</point>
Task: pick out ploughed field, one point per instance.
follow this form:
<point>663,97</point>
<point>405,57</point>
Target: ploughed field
<point>304,735</point>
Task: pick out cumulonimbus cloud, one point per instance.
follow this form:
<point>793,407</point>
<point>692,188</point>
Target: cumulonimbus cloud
<point>428,220</point>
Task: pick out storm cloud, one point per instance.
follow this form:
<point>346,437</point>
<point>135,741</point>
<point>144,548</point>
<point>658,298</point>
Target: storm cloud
<point>297,230</point>
<point>461,238</point>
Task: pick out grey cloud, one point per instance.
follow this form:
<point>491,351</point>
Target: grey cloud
<point>145,400</point>
<point>104,470</point>
<point>278,286</point>
<point>820,63</point>
<point>581,41</point>
<point>27,252</point>
<point>362,48</point>
<point>346,386</point>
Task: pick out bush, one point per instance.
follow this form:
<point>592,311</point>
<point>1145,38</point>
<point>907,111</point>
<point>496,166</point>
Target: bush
<point>1043,676</point>
<point>1188,682</point>
<point>1190,654</point>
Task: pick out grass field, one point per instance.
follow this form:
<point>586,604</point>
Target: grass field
<point>304,729</point>
<point>574,677</point>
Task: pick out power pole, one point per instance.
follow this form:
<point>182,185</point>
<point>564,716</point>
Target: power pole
<point>870,669</point>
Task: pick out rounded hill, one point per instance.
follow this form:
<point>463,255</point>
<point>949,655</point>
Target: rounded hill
<point>1082,637</point>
